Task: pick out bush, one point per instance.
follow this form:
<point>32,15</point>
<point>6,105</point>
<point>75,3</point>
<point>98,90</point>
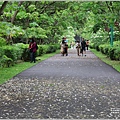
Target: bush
<point>24,51</point>
<point>11,53</point>
<point>117,53</point>
<point>91,45</point>
<point>5,61</point>
<point>105,49</point>
<point>26,55</point>
<point>51,49</point>
<point>111,53</point>
<point>40,50</point>
<point>1,52</point>
<point>101,48</point>
<point>45,48</point>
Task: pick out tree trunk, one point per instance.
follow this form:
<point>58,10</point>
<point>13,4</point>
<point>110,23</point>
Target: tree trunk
<point>3,6</point>
<point>13,18</point>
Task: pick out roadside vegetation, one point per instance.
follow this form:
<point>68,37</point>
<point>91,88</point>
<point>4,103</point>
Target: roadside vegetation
<point>115,64</point>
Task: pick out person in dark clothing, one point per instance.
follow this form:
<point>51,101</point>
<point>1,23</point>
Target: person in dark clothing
<point>87,44</point>
<point>62,46</point>
<point>32,48</point>
<point>83,45</point>
<point>66,49</point>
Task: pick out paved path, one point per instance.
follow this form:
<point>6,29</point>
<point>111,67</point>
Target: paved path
<point>69,87</point>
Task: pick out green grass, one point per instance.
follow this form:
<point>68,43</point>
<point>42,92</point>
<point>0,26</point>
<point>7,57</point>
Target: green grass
<point>113,63</point>
<point>8,73</point>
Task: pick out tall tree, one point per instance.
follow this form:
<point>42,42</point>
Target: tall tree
<point>13,18</point>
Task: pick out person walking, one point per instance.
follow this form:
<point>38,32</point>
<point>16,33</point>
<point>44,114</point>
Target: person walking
<point>32,48</point>
<point>78,47</point>
<point>66,48</point>
<point>62,46</point>
<point>87,44</point>
<point>83,45</point>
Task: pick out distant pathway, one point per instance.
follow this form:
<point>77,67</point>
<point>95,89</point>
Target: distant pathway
<point>70,87</point>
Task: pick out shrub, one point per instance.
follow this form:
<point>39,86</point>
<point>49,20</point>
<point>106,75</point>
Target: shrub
<point>91,45</point>
<point>45,48</point>
<point>101,48</point>
<point>117,53</point>
<point>106,50</point>
<point>5,61</point>
<point>24,53</point>
<point>13,52</point>
<point>111,53</point>
<point>51,49</point>
<point>1,52</point>
<point>40,50</point>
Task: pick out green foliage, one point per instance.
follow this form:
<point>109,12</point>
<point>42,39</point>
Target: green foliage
<point>2,41</point>
<point>11,52</point>
<point>112,52</point>
<point>25,53</point>
<point>40,50</point>
<point>117,54</point>
<point>36,32</point>
<point>4,26</point>
<point>32,8</point>
<point>48,20</point>
<point>20,51</point>
<point>96,28</point>
<point>49,48</point>
<point>6,61</point>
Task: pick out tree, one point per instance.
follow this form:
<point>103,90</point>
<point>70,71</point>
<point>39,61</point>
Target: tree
<point>3,7</point>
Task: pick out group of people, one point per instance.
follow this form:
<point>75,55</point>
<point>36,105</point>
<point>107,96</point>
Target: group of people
<point>80,46</point>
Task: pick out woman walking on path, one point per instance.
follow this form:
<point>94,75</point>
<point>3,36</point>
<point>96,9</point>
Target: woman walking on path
<point>78,47</point>
<point>32,48</point>
<point>62,46</point>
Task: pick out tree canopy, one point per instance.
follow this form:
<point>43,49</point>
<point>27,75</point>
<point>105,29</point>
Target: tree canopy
<point>49,21</point>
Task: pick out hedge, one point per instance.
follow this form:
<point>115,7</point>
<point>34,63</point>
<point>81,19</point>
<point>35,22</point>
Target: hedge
<point>113,52</point>
<point>11,53</point>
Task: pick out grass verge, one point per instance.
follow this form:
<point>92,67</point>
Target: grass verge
<point>113,63</point>
<point>8,73</point>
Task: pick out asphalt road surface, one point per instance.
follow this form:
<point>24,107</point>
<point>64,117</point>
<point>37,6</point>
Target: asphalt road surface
<point>63,87</point>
